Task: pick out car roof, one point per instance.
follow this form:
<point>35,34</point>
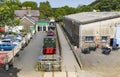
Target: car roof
<point>6,40</point>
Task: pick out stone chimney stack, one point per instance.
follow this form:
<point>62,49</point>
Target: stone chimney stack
<point>28,11</point>
<point>23,8</point>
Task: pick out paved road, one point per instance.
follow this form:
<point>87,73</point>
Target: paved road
<point>29,56</point>
<point>105,65</point>
<point>10,73</point>
<point>25,63</point>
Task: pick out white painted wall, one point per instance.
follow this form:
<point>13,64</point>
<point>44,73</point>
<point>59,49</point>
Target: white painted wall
<point>117,36</point>
<point>101,28</point>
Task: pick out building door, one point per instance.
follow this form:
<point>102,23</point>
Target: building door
<point>113,42</point>
<point>118,34</point>
<point>39,28</point>
<point>44,28</point>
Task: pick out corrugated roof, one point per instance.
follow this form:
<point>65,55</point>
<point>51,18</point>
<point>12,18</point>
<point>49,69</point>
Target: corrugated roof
<point>31,19</point>
<point>89,17</point>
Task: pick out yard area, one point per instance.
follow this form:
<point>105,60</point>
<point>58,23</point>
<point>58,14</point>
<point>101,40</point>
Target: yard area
<point>104,65</point>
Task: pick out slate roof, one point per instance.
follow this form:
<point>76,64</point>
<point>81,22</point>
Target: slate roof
<point>89,17</point>
<point>30,19</point>
<point>21,13</point>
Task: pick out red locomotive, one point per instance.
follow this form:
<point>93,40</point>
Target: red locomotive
<point>49,47</point>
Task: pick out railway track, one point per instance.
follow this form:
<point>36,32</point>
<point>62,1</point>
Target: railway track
<point>50,60</point>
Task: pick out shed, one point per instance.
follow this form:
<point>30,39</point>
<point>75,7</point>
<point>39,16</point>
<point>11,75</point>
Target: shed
<point>42,26</point>
<point>91,28</point>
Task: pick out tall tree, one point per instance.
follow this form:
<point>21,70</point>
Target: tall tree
<point>45,10</point>
<point>84,8</point>
<point>106,5</point>
<point>7,15</point>
<point>59,13</point>
<point>69,10</point>
<point>31,4</point>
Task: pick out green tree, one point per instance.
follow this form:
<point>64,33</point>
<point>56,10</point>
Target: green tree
<point>84,8</point>
<point>45,10</point>
<point>106,5</point>
<point>69,10</point>
<point>31,4</point>
<point>59,13</point>
<point>7,15</point>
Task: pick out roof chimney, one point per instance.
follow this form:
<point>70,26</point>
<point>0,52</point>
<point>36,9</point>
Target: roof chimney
<point>23,8</point>
<point>28,11</point>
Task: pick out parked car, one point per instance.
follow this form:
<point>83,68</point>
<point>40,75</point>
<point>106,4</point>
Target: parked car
<point>16,39</point>
<point>7,45</point>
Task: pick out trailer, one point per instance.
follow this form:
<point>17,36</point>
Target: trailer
<point>7,57</point>
<point>49,63</point>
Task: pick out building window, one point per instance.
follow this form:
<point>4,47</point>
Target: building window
<point>89,38</point>
<point>104,39</point>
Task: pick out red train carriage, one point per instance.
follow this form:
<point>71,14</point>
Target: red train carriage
<point>50,33</point>
<point>49,47</point>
